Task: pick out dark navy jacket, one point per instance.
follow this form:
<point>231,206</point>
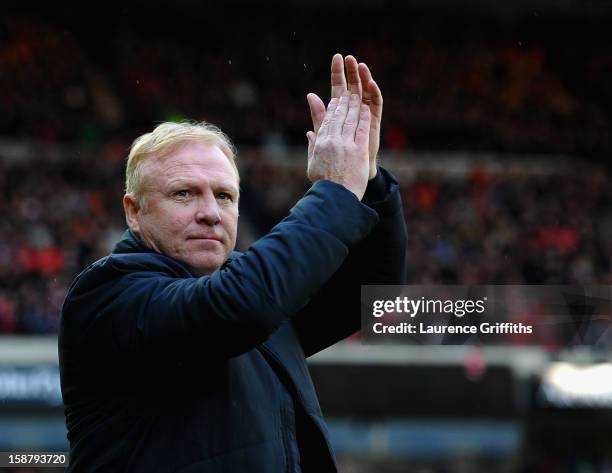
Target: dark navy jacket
<point>162,371</point>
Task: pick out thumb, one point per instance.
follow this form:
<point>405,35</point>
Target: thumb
<point>317,110</point>
<point>311,140</point>
<point>310,135</point>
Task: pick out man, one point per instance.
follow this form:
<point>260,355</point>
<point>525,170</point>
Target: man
<point>178,354</point>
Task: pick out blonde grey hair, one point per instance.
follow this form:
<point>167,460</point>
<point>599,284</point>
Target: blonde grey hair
<point>163,140</point>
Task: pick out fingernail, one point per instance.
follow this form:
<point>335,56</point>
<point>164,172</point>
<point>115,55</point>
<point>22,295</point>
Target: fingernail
<point>354,97</point>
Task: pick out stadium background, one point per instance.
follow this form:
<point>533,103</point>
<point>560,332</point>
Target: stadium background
<point>497,122</point>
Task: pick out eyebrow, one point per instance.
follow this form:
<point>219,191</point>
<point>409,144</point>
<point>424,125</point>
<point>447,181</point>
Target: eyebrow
<point>177,182</point>
<point>231,187</point>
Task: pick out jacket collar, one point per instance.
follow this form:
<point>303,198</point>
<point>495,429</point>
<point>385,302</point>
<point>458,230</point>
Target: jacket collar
<point>131,243</point>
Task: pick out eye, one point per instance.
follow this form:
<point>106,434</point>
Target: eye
<point>225,196</point>
<point>183,193</point>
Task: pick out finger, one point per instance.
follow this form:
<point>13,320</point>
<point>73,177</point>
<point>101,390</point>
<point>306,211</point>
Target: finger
<point>364,73</point>
<point>352,117</point>
<point>338,81</point>
<point>371,92</point>
<point>366,77</point>
<point>317,110</point>
<point>331,108</point>
<point>363,128</point>
<point>352,73</point>
<point>376,100</point>
<point>339,115</point>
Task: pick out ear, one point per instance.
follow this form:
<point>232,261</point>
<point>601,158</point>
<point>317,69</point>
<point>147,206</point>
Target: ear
<point>131,209</point>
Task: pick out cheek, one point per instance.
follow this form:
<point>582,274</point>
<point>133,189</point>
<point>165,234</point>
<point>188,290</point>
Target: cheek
<point>175,214</point>
<point>169,222</point>
<point>179,220</point>
<point>231,226</point>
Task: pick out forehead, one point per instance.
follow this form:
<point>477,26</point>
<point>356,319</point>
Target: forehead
<point>193,161</point>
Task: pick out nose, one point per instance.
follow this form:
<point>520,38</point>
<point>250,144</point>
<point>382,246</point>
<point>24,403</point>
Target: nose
<point>208,211</point>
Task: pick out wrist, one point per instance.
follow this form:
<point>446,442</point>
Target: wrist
<point>373,171</point>
<point>378,188</point>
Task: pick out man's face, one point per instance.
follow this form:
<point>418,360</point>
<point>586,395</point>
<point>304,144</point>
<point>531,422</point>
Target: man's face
<point>191,211</point>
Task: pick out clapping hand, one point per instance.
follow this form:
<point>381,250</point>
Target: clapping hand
<point>339,150</point>
<point>360,82</point>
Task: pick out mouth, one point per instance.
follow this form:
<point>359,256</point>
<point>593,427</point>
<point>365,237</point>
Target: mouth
<point>203,237</point>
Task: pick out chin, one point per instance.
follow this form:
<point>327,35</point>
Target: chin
<point>206,265</point>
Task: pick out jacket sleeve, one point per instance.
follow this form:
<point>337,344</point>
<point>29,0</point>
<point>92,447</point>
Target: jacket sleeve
<point>131,308</point>
<point>379,259</point>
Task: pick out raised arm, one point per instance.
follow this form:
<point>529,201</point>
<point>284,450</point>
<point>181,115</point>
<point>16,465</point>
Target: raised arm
<point>334,313</point>
<point>379,259</point>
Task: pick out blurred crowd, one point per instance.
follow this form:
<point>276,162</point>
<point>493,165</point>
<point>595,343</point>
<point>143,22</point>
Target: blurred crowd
<point>76,96</point>
<point>478,83</point>
<point>61,214</point>
<point>510,228</point>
